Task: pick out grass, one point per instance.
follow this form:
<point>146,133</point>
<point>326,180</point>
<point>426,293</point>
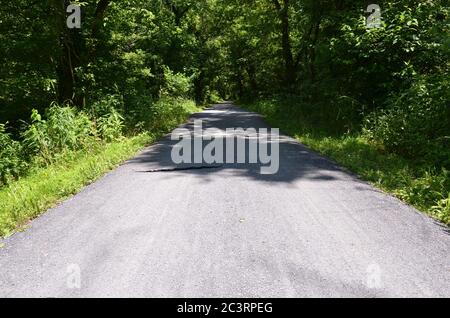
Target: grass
<point>423,186</point>
<point>44,187</point>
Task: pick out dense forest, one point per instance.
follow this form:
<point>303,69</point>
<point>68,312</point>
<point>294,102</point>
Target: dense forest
<point>312,67</point>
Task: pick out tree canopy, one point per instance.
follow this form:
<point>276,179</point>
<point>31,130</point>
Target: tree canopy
<point>320,50</point>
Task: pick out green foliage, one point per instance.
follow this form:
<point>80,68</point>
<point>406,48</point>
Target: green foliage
<point>416,122</point>
<point>11,163</point>
<point>109,123</point>
<point>442,210</point>
<point>176,85</point>
<point>168,111</point>
<point>372,63</point>
<point>110,126</point>
<point>28,42</point>
<point>157,116</point>
<point>64,129</point>
<point>105,105</point>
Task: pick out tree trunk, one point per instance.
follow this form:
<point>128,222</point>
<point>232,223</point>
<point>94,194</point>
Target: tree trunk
<point>251,71</point>
<point>312,53</point>
<point>66,76</point>
<point>99,16</point>
<point>73,51</point>
<point>283,13</point>
<point>199,88</point>
<point>66,62</point>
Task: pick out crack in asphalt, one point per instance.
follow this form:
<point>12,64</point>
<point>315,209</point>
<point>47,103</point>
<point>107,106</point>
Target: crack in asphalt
<point>181,169</point>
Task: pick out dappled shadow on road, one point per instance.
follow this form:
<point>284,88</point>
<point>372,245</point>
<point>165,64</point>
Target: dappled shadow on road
<point>295,160</point>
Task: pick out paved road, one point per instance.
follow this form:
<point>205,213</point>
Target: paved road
<point>311,230</point>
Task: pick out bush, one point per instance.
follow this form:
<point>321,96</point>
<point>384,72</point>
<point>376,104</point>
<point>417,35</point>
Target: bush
<point>168,111</point>
<point>442,210</point>
<point>64,129</point>
<point>108,119</point>
<point>11,163</point>
<point>138,112</point>
<point>105,105</point>
<point>146,114</point>
<point>416,122</point>
<point>176,84</point>
<point>110,125</point>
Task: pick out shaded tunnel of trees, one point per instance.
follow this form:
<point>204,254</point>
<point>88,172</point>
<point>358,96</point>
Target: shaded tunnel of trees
<point>391,82</point>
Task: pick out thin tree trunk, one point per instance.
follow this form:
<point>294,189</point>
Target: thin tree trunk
<point>251,71</point>
<point>283,13</point>
<point>99,16</point>
<point>312,54</point>
<point>199,88</point>
<point>66,67</point>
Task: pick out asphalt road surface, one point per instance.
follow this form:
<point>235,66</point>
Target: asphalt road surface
<point>311,230</point>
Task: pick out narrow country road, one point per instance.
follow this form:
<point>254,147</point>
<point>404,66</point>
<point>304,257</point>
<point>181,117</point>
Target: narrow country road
<point>310,230</point>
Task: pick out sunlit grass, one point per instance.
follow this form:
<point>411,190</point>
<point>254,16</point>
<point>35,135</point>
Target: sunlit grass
<point>44,187</point>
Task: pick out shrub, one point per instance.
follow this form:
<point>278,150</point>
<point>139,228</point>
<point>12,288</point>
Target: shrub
<point>416,122</point>
<point>139,112</point>
<point>147,115</point>
<point>168,111</point>
<point>11,163</point>
<point>68,128</point>
<point>442,210</point>
<point>176,84</point>
<point>105,105</point>
<point>107,116</point>
<point>110,125</point>
<point>64,129</point>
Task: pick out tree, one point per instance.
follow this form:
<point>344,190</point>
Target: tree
<point>283,13</point>
<point>74,52</point>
